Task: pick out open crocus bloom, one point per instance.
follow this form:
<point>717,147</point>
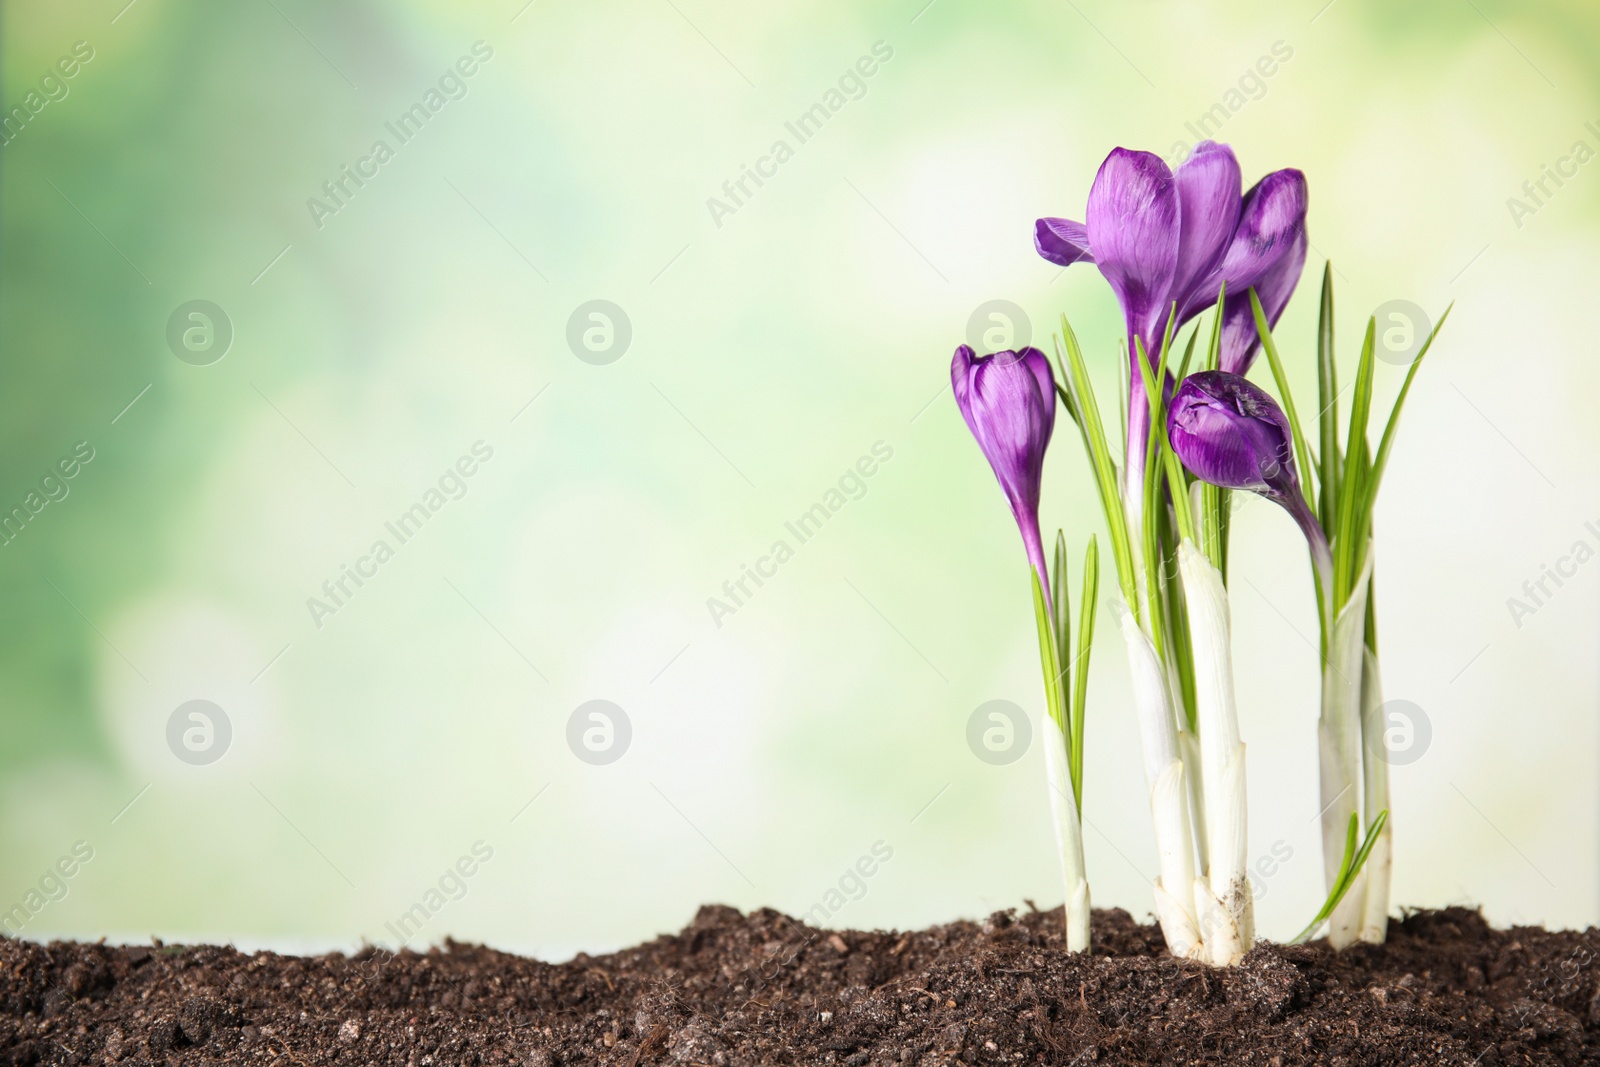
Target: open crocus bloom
<point>1163,239</point>
<point>1009,402</point>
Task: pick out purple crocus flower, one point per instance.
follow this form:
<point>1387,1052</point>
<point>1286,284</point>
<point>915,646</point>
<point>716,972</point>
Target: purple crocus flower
<point>1231,433</point>
<point>1163,239</point>
<point>1009,402</point>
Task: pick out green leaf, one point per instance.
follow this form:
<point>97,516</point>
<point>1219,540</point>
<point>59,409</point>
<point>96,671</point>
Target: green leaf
<point>1302,456</point>
<point>1063,620</point>
<point>1159,462</point>
<point>1081,395</point>
<point>1178,621</point>
<point>1088,600</point>
<point>1188,353</point>
<point>1369,497</point>
<point>1328,405</point>
<point>1372,612</point>
<point>1224,515</point>
<point>1155,395</point>
<point>1352,489</point>
<point>1180,494</point>
<point>1047,658</point>
<point>1214,346</point>
<point>1354,859</point>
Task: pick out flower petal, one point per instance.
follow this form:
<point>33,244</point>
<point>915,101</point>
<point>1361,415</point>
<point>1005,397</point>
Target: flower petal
<point>1008,402</point>
<point>1231,433</point>
<point>1062,241</point>
<point>1268,252</point>
<point>1240,341</point>
<point>1209,200</point>
<point>1133,225</point>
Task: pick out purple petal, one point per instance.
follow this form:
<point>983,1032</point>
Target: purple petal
<point>1268,252</point>
<point>1009,403</point>
<point>1062,241</point>
<point>1133,224</point>
<point>1240,340</point>
<point>1231,433</point>
<point>1209,200</point>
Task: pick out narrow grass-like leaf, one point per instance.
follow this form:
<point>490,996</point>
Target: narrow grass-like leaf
<point>1061,605</point>
<point>1351,488</point>
<point>1302,454</point>
<point>1188,354</point>
<point>1372,610</point>
<point>1380,461</point>
<point>1178,611</point>
<point>1224,515</point>
<point>1327,406</point>
<point>1209,523</point>
<point>1155,470</point>
<point>1088,602</point>
<point>1068,401</point>
<point>1180,498</point>
<point>1207,529</point>
<point>1354,859</point>
<point>1047,656</point>
<point>1156,394</point>
<point>1081,394</point>
<point>1214,346</point>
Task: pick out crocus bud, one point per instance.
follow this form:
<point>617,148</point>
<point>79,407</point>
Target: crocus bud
<point>1009,402</point>
<point>1233,434</point>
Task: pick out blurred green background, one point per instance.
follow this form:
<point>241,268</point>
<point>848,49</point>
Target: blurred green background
<point>770,345</point>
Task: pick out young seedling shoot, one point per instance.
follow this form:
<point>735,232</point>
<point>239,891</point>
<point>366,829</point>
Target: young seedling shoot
<point>1009,403</point>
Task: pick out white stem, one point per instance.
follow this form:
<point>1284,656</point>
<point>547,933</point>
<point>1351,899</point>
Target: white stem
<point>1224,941</point>
<point>1069,834</point>
<point>1339,743</point>
<point>1375,780</point>
<point>1221,754</point>
<point>1175,908</point>
<point>1189,749</point>
<point>1164,776</point>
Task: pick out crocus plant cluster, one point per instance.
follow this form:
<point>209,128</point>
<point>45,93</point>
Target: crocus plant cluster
<point>1174,246</point>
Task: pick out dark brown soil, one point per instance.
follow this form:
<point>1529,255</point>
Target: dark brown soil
<point>760,989</point>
